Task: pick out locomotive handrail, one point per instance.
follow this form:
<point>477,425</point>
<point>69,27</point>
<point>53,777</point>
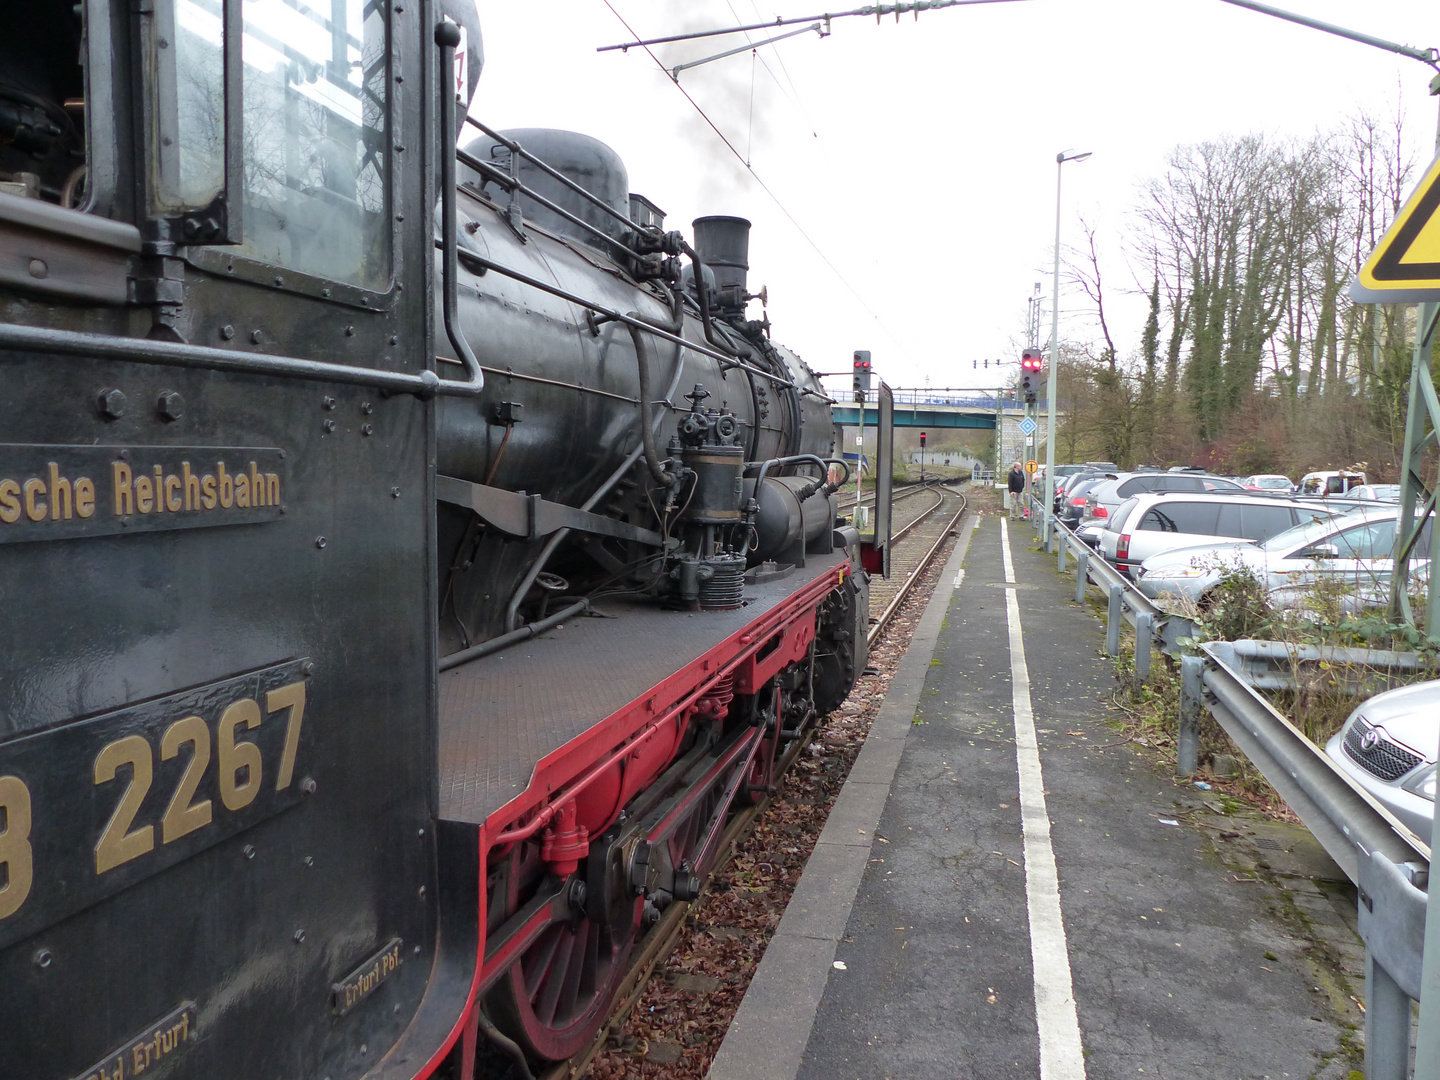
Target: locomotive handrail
<point>511,184</point>
<point>447,37</point>
<point>180,354</point>
<point>515,148</point>
<point>476,259</point>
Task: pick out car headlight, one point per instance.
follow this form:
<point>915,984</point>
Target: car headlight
<point>1423,784</point>
<point>1181,572</point>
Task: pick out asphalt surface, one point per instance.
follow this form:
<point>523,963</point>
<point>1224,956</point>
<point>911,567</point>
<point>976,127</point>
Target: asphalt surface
<point>933,974</point>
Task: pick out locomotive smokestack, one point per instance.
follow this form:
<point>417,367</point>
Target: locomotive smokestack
<point>724,244</point>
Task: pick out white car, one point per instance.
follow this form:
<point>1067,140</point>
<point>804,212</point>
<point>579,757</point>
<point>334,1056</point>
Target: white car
<point>1332,482</point>
<point>1149,524</point>
<point>1352,553</point>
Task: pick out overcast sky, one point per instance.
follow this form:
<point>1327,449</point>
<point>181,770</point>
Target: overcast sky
<point>918,157</point>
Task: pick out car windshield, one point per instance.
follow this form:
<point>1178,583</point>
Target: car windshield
<point>1309,532</point>
<point>1279,483</point>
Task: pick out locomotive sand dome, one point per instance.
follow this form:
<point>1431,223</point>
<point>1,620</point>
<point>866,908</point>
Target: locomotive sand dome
<point>390,632</point>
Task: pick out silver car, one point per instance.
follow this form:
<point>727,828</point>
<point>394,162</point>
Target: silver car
<point>1350,552</point>
<point>1377,492</point>
<point>1146,525</point>
<point>1103,499</point>
<point>1388,747</point>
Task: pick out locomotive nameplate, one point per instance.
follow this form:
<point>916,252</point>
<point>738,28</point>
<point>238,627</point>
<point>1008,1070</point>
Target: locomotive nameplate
<point>51,492</point>
<point>158,1043</point>
<point>90,808</point>
<point>366,979</point>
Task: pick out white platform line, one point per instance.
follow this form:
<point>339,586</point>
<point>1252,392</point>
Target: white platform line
<point>1061,1057</point>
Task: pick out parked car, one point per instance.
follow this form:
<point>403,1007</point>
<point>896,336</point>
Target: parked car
<point>1274,483</point>
<point>1377,492</point>
<point>1331,482</point>
<point>1061,472</point>
<point>1352,551</point>
<point>1076,493</point>
<point>1149,524</point>
<point>1388,747</point>
<point>1066,483</point>
<point>1222,484</point>
<point>1103,499</point>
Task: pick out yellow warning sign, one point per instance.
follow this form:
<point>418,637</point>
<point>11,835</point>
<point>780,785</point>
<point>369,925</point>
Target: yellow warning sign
<point>1405,265</point>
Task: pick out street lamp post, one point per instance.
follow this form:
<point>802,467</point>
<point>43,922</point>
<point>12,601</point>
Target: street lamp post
<point>1060,159</point>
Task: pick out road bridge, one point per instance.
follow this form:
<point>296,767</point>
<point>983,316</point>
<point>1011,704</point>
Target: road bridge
<point>927,408</point>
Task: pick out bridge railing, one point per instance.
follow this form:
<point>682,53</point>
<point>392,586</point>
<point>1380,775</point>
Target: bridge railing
<point>952,398</point>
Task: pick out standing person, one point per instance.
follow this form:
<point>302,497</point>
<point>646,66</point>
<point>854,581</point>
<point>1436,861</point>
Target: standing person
<point>1015,486</point>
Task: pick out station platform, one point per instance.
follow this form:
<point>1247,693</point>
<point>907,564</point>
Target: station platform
<point>1004,889</point>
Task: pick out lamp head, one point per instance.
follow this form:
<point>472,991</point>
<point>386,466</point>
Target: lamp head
<point>1072,155</point>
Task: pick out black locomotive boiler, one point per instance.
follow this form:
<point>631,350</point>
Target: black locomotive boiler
<point>410,557</point>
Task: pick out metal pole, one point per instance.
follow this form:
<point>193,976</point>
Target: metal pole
<point>1082,574</point>
<point>1144,640</point>
<point>1050,380</point>
<point>860,458</point>
<point>1187,754</point>
<point>1387,1026</point>
<point>1114,617</point>
<point>1427,1040</point>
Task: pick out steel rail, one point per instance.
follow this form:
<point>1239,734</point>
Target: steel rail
<point>883,622</point>
<point>909,491</point>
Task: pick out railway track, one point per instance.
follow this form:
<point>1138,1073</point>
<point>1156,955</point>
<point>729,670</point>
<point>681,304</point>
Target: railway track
<point>917,541</point>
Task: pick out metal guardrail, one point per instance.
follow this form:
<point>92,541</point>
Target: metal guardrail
<point>1389,864</point>
<point>1126,602</point>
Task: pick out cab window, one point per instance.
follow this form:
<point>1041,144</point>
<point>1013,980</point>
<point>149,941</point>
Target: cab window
<point>315,156</point>
<point>315,143</point>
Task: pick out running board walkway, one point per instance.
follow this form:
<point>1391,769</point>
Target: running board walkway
<point>1002,890</point>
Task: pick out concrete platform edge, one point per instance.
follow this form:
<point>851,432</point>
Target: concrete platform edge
<point>771,1029</point>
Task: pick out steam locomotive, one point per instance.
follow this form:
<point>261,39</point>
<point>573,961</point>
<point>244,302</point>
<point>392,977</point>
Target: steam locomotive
<point>410,556</point>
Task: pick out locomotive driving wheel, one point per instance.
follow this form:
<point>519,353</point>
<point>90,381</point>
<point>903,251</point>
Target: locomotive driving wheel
<point>554,997</point>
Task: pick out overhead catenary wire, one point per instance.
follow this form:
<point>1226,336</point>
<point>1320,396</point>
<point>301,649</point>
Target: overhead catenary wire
<point>878,10</point>
<point>766,187</point>
<point>794,92</point>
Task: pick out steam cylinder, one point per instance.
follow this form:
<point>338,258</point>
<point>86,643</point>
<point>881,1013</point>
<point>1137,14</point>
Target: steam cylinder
<point>784,520</point>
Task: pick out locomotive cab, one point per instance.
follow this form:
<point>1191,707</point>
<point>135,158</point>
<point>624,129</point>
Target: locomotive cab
<point>408,573</point>
<point>218,846</point>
